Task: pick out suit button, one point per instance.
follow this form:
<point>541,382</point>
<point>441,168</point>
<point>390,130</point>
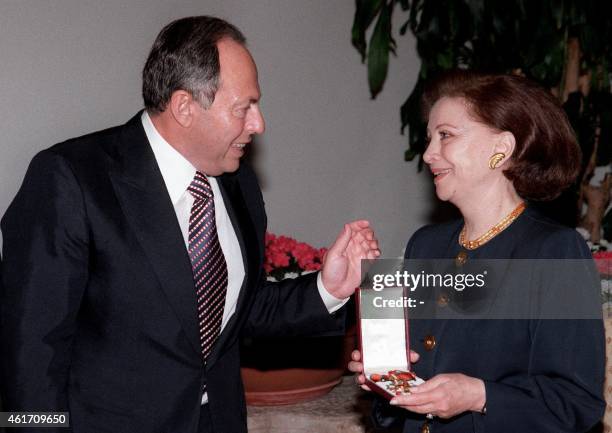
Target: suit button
<point>429,342</point>
<point>425,428</point>
<point>443,299</point>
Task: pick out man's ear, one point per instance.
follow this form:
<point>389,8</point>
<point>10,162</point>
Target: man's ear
<point>181,106</point>
<point>505,143</point>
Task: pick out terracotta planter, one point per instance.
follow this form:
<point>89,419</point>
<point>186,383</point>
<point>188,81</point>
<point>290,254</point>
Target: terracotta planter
<point>287,386</point>
<point>280,372</point>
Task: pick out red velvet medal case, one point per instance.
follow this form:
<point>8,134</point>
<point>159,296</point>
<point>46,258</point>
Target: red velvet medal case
<point>384,344</point>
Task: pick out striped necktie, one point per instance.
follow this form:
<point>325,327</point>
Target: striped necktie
<point>208,263</point>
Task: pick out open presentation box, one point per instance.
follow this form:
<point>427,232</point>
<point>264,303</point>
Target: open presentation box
<point>384,343</point>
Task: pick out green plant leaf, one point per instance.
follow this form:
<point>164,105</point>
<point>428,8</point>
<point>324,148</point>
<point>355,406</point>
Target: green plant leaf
<point>410,154</point>
<point>429,22</point>
<point>498,37</point>
<point>415,10</point>
<point>405,4</point>
<point>381,43</point>
<point>404,27</point>
<point>558,11</point>
<point>477,12</point>
<point>445,60</point>
<point>412,118</point>
<point>365,12</point>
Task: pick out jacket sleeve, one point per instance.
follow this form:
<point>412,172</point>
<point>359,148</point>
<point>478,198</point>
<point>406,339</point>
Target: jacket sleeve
<point>561,392</point>
<point>560,386</point>
<point>562,389</point>
<point>44,276</point>
<point>292,308</point>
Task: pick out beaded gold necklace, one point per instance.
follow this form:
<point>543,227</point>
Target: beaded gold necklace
<point>490,234</point>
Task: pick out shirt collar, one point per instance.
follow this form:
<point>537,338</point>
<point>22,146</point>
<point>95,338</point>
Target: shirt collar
<point>175,169</point>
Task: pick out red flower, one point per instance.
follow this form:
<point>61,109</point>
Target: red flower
<point>270,238</point>
<point>285,254</point>
<point>305,255</point>
<point>279,259</point>
<point>603,259</point>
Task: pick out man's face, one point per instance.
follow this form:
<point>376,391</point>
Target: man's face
<point>220,133</point>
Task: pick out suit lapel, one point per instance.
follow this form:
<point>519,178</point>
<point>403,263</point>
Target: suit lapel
<point>249,246</point>
<point>144,199</point>
<point>245,231</point>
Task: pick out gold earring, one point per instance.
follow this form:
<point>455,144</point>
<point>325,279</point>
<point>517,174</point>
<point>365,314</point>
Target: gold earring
<point>496,159</point>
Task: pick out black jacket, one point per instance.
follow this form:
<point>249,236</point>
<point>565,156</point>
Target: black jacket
<point>541,376</point>
<point>98,302</point>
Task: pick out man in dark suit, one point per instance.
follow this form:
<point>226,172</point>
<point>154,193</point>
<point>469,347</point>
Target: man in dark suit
<point>133,256</point>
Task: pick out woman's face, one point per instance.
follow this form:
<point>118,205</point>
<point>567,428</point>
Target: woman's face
<point>459,151</point>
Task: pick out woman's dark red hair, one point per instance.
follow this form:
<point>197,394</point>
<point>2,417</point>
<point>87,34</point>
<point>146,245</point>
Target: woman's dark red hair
<point>546,158</point>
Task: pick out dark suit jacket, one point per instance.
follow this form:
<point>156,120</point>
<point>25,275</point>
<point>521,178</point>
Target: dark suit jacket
<point>541,376</point>
<point>98,302</point>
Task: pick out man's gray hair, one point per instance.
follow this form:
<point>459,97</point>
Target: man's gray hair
<point>184,56</point>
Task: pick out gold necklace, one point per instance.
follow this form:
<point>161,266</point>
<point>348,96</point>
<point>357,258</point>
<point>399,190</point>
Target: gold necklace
<point>490,234</point>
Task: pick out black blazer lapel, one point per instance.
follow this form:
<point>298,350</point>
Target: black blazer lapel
<point>249,246</point>
<point>245,231</point>
<point>144,199</point>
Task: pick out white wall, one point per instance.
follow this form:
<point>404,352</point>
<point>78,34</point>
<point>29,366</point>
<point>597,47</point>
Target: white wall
<point>329,155</point>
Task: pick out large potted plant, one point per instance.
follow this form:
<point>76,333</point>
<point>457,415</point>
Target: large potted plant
<point>566,45</point>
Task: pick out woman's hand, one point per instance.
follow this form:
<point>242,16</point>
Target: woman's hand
<point>444,395</point>
<point>356,366</point>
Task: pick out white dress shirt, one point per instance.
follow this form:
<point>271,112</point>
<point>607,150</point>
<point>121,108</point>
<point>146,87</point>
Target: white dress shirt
<point>178,173</point>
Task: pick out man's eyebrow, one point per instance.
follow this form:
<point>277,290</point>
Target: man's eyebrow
<point>248,101</point>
